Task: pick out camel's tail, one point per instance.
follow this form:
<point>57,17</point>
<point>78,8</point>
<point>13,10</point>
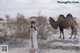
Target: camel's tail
<point>76,25</point>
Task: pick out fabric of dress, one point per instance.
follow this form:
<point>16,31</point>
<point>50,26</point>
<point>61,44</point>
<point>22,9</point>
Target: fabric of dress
<point>35,44</point>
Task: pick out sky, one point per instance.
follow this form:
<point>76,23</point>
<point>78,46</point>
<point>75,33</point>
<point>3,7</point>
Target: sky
<point>33,7</point>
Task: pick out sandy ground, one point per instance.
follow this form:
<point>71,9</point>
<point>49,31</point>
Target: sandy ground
<point>45,47</point>
<point>53,44</point>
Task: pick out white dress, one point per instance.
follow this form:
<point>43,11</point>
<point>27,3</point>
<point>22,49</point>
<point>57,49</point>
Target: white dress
<point>35,44</point>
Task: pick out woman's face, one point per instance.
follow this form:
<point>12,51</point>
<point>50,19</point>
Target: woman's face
<point>34,24</point>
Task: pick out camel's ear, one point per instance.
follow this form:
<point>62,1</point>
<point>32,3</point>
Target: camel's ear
<point>53,23</point>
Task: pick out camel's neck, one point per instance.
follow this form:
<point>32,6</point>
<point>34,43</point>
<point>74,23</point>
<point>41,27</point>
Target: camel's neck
<point>53,24</point>
<point>57,22</point>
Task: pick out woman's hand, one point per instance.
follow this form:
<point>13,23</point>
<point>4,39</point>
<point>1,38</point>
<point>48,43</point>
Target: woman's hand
<point>32,46</point>
<point>30,34</point>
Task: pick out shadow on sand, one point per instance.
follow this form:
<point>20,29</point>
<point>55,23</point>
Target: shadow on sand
<point>65,41</point>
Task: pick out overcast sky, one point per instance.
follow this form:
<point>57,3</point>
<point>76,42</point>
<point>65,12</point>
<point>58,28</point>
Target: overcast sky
<point>32,8</point>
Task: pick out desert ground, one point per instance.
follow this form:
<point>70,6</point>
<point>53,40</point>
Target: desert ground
<point>52,44</point>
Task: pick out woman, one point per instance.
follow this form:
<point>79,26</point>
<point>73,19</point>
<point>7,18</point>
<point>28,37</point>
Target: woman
<point>33,38</point>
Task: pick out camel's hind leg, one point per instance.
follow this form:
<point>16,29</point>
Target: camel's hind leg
<point>71,33</point>
<point>75,34</point>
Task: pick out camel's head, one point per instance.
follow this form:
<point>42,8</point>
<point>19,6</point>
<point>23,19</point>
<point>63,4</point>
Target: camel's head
<point>50,18</point>
<point>53,23</point>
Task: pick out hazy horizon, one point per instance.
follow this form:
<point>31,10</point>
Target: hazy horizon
<point>32,7</point>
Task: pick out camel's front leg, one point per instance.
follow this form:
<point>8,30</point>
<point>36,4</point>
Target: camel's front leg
<point>60,35</point>
<point>63,35</point>
<point>61,31</point>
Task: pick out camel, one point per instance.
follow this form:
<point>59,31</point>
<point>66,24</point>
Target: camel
<point>63,23</point>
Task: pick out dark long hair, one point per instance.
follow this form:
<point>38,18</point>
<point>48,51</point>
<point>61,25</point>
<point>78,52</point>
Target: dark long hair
<point>32,22</point>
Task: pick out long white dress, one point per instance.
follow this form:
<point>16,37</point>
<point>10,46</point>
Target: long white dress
<point>35,44</point>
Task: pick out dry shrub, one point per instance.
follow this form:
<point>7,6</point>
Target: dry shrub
<point>41,23</point>
<point>18,27</point>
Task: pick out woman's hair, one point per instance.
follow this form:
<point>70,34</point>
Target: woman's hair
<point>32,22</point>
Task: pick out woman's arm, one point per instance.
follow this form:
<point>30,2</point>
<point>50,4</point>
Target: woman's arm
<point>31,35</point>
